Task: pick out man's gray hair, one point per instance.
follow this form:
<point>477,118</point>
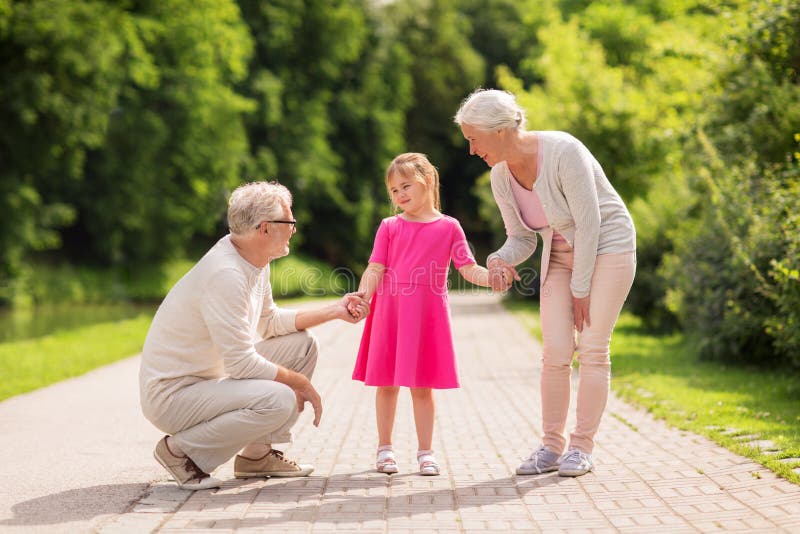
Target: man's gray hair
<point>488,109</point>
<point>255,202</point>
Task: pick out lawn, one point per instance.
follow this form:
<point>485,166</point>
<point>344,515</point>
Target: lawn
<point>730,405</point>
<point>33,363</point>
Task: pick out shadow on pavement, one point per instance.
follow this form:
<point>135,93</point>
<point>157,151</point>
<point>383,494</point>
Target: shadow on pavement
<point>76,504</point>
<point>281,502</point>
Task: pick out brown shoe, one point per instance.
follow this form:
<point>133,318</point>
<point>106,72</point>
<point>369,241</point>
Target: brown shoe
<point>183,469</point>
<point>272,464</point>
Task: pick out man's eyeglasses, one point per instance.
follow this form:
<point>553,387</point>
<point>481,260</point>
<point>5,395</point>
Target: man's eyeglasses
<point>292,222</point>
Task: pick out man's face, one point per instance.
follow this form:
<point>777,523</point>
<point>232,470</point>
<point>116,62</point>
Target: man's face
<point>279,233</point>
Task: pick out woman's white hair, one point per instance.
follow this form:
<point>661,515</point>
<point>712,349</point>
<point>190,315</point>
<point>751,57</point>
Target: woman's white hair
<point>255,202</point>
<point>488,109</point>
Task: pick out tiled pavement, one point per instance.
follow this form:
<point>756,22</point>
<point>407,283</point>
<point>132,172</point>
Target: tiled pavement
<point>649,478</point>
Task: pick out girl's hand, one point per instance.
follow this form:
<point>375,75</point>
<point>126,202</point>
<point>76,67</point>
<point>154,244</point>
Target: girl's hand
<point>501,274</point>
<point>356,307</point>
<point>580,307</point>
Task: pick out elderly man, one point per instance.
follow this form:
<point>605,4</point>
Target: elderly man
<point>223,368</point>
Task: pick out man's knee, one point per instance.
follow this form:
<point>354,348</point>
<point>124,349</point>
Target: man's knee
<point>309,360</point>
<point>278,402</point>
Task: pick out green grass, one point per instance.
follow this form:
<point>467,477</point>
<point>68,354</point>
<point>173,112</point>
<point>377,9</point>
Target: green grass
<point>663,374</point>
<point>33,363</point>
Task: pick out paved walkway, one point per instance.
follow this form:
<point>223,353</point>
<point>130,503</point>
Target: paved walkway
<point>648,477</point>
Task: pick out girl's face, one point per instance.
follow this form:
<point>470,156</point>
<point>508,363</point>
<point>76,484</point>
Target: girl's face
<point>409,194</point>
<point>486,144</point>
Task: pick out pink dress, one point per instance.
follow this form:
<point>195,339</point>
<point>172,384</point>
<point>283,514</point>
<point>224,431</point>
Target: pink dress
<point>407,339</point>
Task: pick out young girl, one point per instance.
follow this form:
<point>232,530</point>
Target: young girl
<point>407,339</point>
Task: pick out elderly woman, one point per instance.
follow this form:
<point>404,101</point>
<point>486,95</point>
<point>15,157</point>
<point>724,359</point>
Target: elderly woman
<point>548,183</point>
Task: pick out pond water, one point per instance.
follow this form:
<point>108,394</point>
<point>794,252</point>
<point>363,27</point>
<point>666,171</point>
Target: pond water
<point>43,320</point>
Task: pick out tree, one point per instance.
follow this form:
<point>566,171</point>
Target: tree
<point>176,142</point>
<point>63,70</point>
<point>331,91</point>
<point>444,69</point>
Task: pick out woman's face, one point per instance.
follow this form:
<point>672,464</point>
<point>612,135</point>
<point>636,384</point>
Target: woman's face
<point>486,144</point>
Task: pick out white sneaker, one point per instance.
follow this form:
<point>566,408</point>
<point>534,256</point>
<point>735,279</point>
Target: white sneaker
<point>540,461</point>
<point>428,466</point>
<point>575,463</point>
<point>385,461</point>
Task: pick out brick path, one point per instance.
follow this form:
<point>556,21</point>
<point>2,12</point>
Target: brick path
<point>648,477</point>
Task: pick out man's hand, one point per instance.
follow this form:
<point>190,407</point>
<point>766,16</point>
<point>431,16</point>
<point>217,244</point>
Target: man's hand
<point>580,307</point>
<point>305,394</point>
<point>356,307</point>
<point>501,274</point>
<point>303,390</point>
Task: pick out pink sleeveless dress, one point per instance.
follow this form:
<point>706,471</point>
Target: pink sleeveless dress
<point>407,339</point>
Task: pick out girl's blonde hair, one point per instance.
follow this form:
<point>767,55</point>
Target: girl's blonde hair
<point>414,165</point>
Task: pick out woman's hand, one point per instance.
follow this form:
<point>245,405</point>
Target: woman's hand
<point>580,307</point>
<point>501,274</point>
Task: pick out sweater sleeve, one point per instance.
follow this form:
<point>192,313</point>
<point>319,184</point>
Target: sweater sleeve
<point>520,242</point>
<point>224,306</point>
<point>275,321</point>
<point>576,180</point>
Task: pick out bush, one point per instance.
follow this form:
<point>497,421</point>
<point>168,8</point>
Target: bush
<point>733,276</point>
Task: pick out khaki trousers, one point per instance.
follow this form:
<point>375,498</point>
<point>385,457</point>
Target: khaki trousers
<point>214,419</point>
<point>611,282</point>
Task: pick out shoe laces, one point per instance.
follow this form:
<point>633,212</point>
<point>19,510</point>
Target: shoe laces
<point>537,455</point>
<point>279,455</point>
<point>574,455</point>
<point>197,473</point>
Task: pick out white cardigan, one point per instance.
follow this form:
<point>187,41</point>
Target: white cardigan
<point>578,201</point>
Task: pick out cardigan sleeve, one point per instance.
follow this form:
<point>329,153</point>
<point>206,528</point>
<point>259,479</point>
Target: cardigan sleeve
<point>577,183</point>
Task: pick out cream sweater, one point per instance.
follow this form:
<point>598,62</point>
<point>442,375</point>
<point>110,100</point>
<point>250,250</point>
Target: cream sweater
<point>208,325</point>
<point>578,201</point>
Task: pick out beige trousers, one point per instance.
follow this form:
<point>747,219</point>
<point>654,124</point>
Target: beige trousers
<point>611,282</point>
<point>214,419</point>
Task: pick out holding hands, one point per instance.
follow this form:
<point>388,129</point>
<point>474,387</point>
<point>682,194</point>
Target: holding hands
<point>501,274</point>
<point>355,307</point>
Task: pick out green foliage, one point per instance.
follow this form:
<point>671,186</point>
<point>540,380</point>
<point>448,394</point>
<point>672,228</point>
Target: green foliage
<point>622,29</point>
<point>331,92</point>
<point>177,135</point>
<point>758,111</point>
<point>119,123</point>
<point>61,78</point>
<point>443,70</point>
<point>732,268</point>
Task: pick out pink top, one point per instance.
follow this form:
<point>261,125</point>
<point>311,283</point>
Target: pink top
<point>530,207</point>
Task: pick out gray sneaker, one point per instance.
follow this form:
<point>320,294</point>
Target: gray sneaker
<point>540,461</point>
<point>575,463</point>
